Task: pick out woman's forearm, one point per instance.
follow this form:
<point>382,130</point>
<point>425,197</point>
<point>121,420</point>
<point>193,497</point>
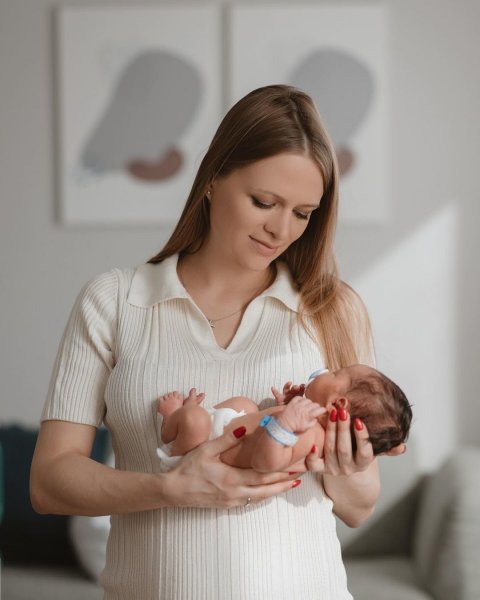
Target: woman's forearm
<point>354,496</point>
<point>65,480</point>
<point>75,484</point>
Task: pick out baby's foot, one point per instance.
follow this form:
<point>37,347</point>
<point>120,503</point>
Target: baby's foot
<point>169,403</point>
<point>193,397</point>
<point>173,401</point>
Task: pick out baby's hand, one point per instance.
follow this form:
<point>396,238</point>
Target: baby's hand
<point>300,414</point>
<point>289,392</point>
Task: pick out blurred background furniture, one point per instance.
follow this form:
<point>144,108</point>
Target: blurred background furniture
<point>424,546</point>
<point>39,558</point>
<point>427,545</point>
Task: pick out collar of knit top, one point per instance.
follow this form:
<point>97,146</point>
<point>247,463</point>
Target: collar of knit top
<point>155,283</point>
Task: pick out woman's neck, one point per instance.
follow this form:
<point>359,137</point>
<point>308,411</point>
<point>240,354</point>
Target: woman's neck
<point>222,290</point>
<point>202,271</point>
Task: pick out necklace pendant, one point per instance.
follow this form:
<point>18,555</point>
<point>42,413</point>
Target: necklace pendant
<point>211,323</point>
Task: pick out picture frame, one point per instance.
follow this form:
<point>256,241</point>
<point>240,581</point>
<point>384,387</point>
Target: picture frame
<point>138,105</point>
<point>339,55</point>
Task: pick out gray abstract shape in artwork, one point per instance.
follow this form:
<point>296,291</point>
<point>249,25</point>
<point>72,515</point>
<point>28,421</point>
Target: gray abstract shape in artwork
<point>342,87</point>
<point>153,103</point>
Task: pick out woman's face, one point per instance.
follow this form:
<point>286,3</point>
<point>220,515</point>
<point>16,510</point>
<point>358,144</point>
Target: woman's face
<point>257,211</point>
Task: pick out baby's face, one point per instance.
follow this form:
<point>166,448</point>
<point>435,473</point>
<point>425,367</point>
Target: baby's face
<point>330,386</point>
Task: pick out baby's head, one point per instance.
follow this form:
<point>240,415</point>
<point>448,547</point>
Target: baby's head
<point>369,395</point>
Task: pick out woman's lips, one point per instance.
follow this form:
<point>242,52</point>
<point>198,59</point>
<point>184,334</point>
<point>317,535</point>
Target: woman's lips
<point>264,248</point>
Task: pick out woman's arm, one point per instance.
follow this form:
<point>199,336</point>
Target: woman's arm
<point>64,480</point>
<point>354,496</point>
<point>351,480</point>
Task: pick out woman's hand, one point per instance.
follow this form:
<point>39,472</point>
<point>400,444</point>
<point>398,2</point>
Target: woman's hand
<point>338,456</point>
<point>202,480</point>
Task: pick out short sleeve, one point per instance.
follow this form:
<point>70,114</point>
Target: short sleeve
<point>86,355</point>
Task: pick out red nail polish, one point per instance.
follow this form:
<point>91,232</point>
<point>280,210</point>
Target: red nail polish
<point>333,415</point>
<point>239,431</point>
<point>296,483</point>
<point>314,449</point>
<point>342,413</point>
<point>358,424</point>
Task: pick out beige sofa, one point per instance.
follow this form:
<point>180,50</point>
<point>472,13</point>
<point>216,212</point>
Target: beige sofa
<point>428,545</point>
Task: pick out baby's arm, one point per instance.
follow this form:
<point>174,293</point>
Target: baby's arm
<point>299,416</point>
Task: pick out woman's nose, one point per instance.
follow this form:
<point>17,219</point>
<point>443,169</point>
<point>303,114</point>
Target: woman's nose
<point>278,225</point>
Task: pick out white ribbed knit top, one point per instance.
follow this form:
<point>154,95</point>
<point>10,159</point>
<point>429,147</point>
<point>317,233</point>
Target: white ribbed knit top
<point>134,335</point>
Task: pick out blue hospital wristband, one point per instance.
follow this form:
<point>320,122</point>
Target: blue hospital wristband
<point>277,432</point>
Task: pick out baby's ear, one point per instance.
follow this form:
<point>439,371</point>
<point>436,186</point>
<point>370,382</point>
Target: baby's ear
<point>341,402</point>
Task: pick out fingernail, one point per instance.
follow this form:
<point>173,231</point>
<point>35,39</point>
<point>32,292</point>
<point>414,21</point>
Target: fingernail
<point>314,449</point>
<point>358,424</point>
<point>333,415</point>
<point>342,413</point>
<point>296,483</point>
<point>239,431</point>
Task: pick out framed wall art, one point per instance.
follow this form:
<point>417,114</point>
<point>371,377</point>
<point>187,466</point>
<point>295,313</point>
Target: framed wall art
<point>139,99</point>
<point>339,55</point>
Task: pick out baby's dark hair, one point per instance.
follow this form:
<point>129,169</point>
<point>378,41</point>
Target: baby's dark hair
<point>384,409</point>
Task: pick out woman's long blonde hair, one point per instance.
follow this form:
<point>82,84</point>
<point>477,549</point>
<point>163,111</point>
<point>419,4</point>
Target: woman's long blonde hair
<point>268,121</point>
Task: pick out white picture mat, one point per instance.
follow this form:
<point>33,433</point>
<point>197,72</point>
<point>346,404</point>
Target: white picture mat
<point>94,45</point>
<point>268,42</point>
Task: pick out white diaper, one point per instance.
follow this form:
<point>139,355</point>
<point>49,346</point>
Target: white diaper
<point>220,417</point>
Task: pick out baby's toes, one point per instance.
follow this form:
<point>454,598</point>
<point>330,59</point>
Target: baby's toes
<point>192,397</point>
<point>169,402</point>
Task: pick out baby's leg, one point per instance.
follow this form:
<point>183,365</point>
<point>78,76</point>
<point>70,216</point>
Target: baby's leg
<point>239,403</point>
<point>185,423</point>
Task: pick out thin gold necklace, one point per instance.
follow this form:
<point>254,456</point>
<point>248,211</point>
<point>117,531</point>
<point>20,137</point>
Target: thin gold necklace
<point>212,322</point>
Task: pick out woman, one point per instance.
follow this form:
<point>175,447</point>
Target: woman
<point>245,293</point>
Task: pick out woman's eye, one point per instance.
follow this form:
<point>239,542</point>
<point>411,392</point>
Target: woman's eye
<point>301,215</point>
<point>258,203</point>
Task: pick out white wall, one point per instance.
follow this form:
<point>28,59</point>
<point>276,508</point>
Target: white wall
<point>418,273</point>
